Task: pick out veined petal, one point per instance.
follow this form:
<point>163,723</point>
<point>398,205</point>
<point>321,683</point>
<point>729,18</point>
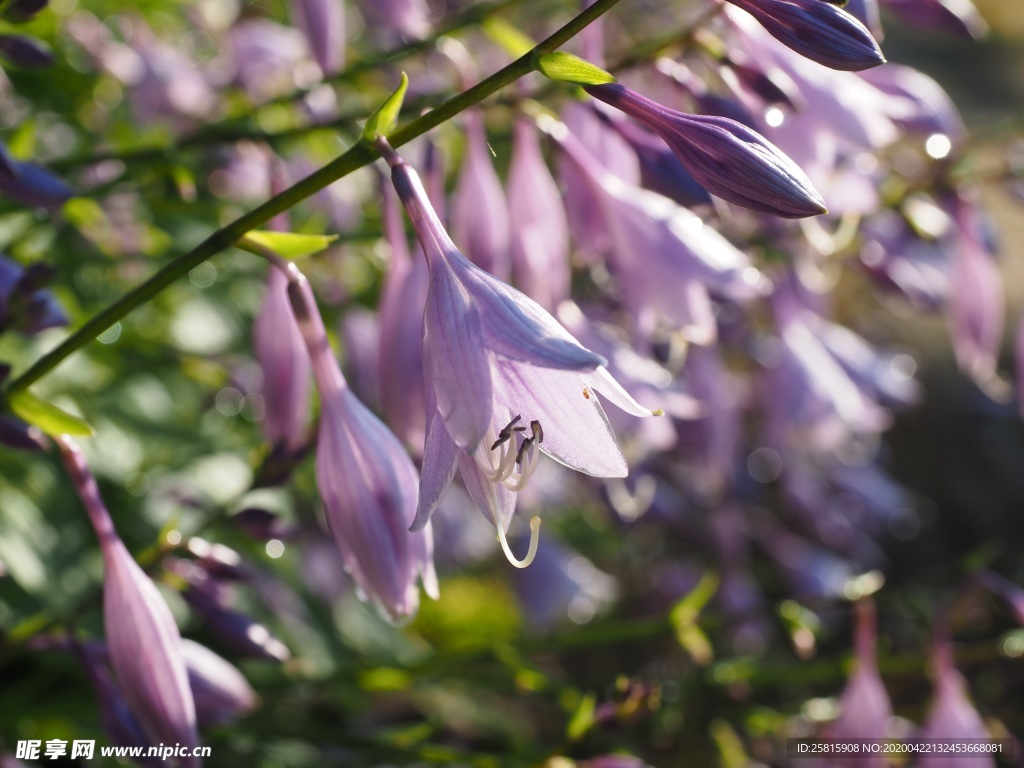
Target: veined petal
<point>576,429</point>
<point>613,392</point>
<point>518,328</point>
<point>456,359</point>
<point>438,465</point>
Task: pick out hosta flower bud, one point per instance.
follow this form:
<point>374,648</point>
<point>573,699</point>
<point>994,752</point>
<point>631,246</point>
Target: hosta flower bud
<point>144,643</point>
<point>221,692</point>
<point>25,51</point>
<point>728,159</point>
<point>323,24</point>
<point>819,30</point>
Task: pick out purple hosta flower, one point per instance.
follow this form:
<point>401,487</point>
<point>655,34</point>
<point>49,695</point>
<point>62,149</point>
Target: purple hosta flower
<point>31,185</point>
<point>959,17</point>
<point>263,524</point>
<point>666,260</point>
<point>16,434</point>
<point>864,707</point>
<point>401,333</point>
<point>952,716</point>
<point>270,59</point>
<point>917,103</point>
<point>366,479</point>
<point>818,30</point>
<point>119,723</point>
<point>480,212</point>
<point>221,692</point>
<point>398,19</point>
<point>900,260</point>
<point>24,306</point>
<point>145,646</point>
<point>245,636</point>
<point>562,584</point>
<point>359,335</point>
<point>25,51</point>
<point>504,381</point>
<point>976,300</point>
<point>612,761</point>
<point>282,356</point>
<point>323,24</point>
<point>539,247</point>
<point>727,158</point>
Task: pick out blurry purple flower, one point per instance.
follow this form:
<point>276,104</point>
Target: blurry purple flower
<point>539,247</point>
<point>270,59</point>
<point>218,560</point>
<point>403,19</point>
<point>562,585</point>
<point>667,261</point>
<point>241,633</point>
<point>323,24</point>
<point>1010,593</point>
<point>23,10</point>
<point>25,51</point>
<point>866,12</point>
<point>24,306</point>
<point>494,358</point>
<point>818,30</point>
<point>145,646</point>
<point>16,434</point>
<point>261,524</point>
<point>221,692</point>
<point>917,103</point>
<point>359,335</point>
<point>480,214</point>
<point>366,479</point>
<point>727,158</point>
<point>952,716</point>
<point>612,761</point>
<point>119,723</point>
<point>958,17</point>
<point>281,353</point>
<point>864,707</point>
<point>976,301</point>
<point>401,333</point>
<point>30,184</point>
<point>900,260</point>
<point>879,375</point>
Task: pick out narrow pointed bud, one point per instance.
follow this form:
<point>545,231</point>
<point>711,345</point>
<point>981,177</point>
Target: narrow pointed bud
<point>864,707</point>
<point>221,692</point>
<point>31,185</point>
<point>25,51</point>
<point>952,716</point>
<point>818,30</point>
<point>727,158</point>
<point>367,481</point>
<point>144,643</point>
<point>323,24</point>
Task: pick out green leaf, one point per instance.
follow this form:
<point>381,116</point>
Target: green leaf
<point>384,121</point>
<point>47,416</point>
<point>572,69</point>
<point>515,42</point>
<point>287,245</point>
<point>582,719</point>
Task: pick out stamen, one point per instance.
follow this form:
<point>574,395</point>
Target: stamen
<point>523,449</point>
<point>538,431</point>
<point>506,432</point>
<point>534,541</point>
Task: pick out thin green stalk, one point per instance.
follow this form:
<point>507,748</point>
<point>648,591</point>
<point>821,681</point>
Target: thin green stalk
<point>355,158</point>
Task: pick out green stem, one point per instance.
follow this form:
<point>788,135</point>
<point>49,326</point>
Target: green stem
<point>355,158</point>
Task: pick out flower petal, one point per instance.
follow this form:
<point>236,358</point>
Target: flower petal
<point>496,501</point>
<point>576,429</point>
<point>438,466</point>
<point>613,392</point>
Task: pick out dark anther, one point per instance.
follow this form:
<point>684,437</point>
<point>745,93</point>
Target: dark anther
<point>522,449</point>
<point>538,431</point>
<point>507,431</point>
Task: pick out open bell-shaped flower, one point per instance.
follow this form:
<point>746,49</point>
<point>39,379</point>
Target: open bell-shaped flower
<point>504,381</point>
<point>366,479</point>
<point>144,642</point>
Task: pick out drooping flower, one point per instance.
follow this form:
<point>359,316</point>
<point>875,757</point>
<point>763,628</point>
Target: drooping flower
<point>221,692</point>
<point>504,381</point>
<point>366,479</point>
<point>24,306</point>
<point>864,707</point>
<point>31,184</point>
<point>821,31</point>
<point>727,158</point>
<point>144,642</point>
<point>25,51</point>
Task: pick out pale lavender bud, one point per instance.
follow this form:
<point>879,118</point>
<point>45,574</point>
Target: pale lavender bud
<point>958,17</point>
<point>323,24</point>
<point>479,210</point>
<point>864,707</point>
<point>144,643</point>
<point>818,30</point>
<point>221,692</point>
<point>727,158</point>
<point>25,51</point>
<point>539,247</point>
<point>400,19</point>
<point>952,716</point>
<point>366,479</point>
